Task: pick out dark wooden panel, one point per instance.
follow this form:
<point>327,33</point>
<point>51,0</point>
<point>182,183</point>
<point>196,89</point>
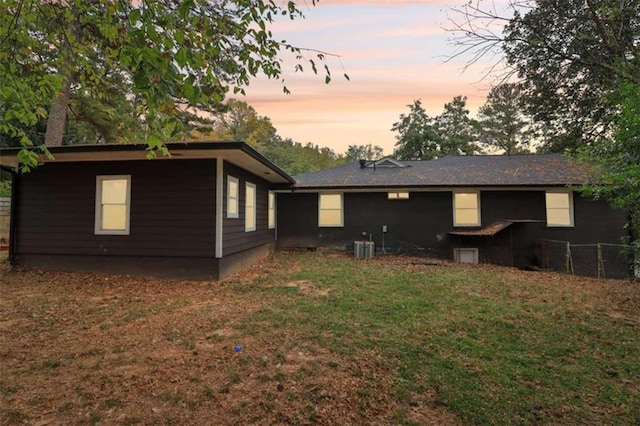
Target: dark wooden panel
<point>172,209</point>
<point>421,224</point>
<point>236,239</point>
<point>594,222</point>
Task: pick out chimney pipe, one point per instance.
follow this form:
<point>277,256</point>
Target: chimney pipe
<point>363,163</point>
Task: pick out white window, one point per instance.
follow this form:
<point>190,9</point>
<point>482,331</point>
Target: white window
<point>559,208</point>
<point>398,195</point>
<point>330,210</point>
<point>465,255</point>
<point>250,208</point>
<point>113,204</point>
<point>466,209</point>
<point>272,210</point>
<point>232,196</point>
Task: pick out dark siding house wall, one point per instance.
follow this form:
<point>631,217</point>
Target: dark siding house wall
<point>236,239</point>
<point>172,220</point>
<point>514,245</point>
<point>421,224</point>
<point>594,222</point>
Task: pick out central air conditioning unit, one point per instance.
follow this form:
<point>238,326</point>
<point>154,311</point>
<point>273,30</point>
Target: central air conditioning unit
<point>363,249</point>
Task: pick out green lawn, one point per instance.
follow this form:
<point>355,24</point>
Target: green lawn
<point>491,348</point>
<point>329,339</point>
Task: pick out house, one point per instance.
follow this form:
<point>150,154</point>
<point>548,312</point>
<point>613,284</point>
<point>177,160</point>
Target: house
<point>212,208</point>
<point>467,208</point>
<point>204,212</point>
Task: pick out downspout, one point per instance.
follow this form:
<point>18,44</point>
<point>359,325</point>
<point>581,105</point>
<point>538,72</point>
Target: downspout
<point>13,214</point>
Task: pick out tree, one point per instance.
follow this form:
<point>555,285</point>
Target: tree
<point>239,121</point>
<point>501,122</point>
<point>568,55</point>
<point>363,152</point>
<point>171,56</point>
<point>108,118</point>
<point>423,138</point>
<point>619,158</point>
<point>418,138</point>
<point>456,129</point>
<point>296,158</point>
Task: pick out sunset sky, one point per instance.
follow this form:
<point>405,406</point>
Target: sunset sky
<point>393,51</point>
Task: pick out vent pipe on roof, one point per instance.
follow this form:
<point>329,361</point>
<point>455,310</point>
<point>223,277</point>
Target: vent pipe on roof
<point>363,163</point>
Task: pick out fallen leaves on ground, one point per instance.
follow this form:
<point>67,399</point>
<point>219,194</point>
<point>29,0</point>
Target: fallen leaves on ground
<point>79,348</point>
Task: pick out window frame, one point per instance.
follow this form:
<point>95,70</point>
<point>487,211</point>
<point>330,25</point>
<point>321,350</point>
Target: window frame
<point>271,208</point>
<point>458,254</point>
<point>320,210</point>
<point>233,197</point>
<point>398,195</point>
<point>478,221</point>
<point>569,195</point>
<point>99,213</point>
<point>250,210</point>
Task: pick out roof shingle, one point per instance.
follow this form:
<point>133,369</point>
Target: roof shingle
<point>481,170</point>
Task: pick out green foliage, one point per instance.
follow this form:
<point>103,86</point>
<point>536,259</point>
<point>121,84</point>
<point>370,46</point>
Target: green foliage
<point>164,58</point>
<point>421,137</point>
<point>570,55</point>
<point>363,152</point>
<point>296,158</point>
<point>417,138</point>
<point>5,188</point>
<point>501,122</point>
<point>239,121</point>
<point>619,158</point>
<point>456,129</point>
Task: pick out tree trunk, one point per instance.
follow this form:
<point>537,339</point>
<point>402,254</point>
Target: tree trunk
<point>57,118</point>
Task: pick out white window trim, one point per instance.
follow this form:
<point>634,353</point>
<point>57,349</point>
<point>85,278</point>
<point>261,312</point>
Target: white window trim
<point>479,214</point>
<point>98,206</point>
<point>271,208</point>
<point>320,194</point>
<point>231,179</point>
<point>246,205</point>
<point>546,209</point>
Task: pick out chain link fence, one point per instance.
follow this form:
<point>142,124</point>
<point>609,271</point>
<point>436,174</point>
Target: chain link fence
<point>595,260</point>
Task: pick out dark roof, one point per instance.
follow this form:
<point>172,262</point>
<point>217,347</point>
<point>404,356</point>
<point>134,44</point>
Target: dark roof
<point>491,230</point>
<point>235,152</point>
<point>481,170</point>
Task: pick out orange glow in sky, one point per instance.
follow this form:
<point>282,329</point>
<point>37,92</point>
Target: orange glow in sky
<point>393,51</point>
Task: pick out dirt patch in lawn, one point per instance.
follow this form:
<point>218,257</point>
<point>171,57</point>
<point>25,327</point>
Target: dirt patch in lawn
<point>306,287</point>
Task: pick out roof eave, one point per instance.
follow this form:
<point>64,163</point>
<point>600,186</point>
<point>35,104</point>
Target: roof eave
<point>439,186</point>
<point>177,150</point>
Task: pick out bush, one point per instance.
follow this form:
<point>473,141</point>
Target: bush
<point>5,188</point>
